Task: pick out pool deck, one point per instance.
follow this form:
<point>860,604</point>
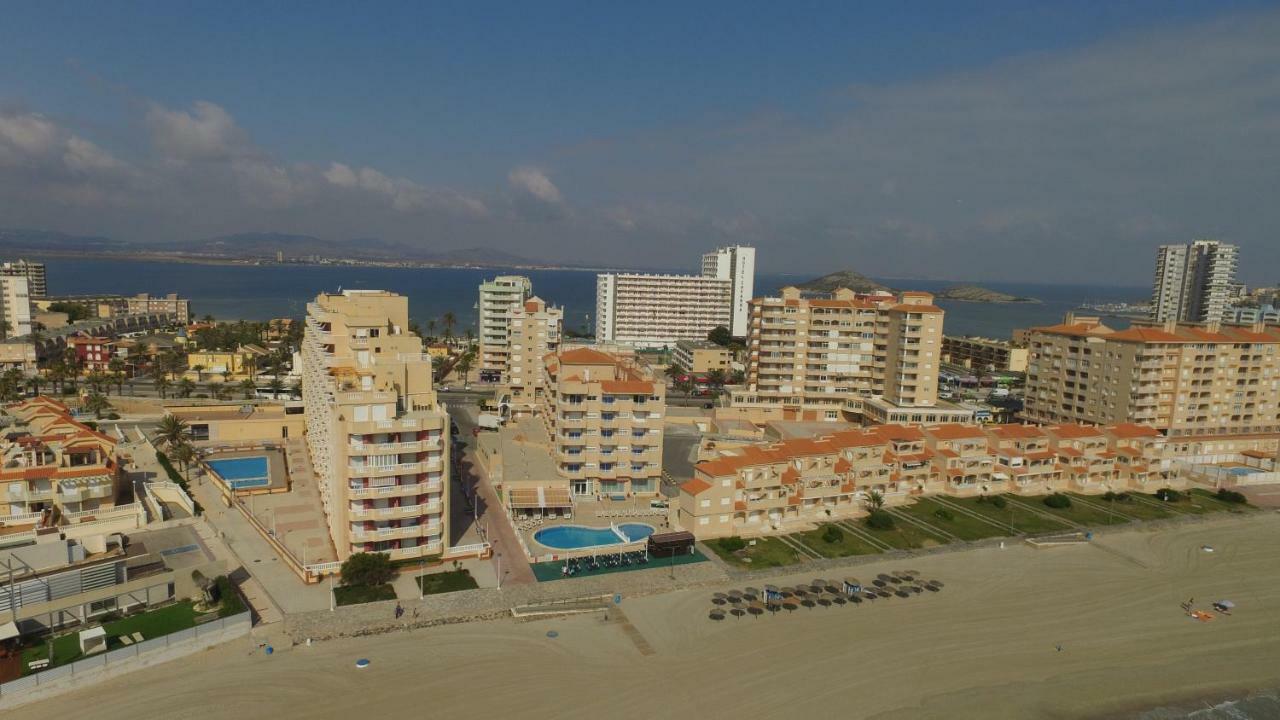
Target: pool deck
<point>291,505</point>
<point>593,513</point>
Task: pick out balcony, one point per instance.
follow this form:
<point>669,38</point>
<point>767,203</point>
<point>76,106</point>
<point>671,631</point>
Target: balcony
<point>359,493</point>
<point>395,533</point>
<point>396,447</point>
<point>393,513</point>
<point>72,492</point>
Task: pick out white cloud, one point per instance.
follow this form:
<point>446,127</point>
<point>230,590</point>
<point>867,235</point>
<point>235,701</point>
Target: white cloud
<point>404,195</point>
<point>534,182</point>
<point>206,132</point>
<point>25,136</point>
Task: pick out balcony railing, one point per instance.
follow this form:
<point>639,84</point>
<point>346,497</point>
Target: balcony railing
<point>393,490</point>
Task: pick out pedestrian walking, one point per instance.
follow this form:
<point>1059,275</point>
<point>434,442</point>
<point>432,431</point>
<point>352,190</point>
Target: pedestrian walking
<point>399,611</point>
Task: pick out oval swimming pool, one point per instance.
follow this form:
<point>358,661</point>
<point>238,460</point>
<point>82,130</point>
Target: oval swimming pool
<point>576,537</point>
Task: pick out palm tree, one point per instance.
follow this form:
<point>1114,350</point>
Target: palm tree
<point>97,404</point>
<point>463,366</point>
<point>186,457</point>
<point>449,321</point>
<point>173,431</point>
<point>34,382</point>
<point>431,327</point>
<point>716,378</point>
<point>277,386</point>
<point>674,371</point>
<point>875,500</point>
<point>116,366</point>
<point>199,372</point>
<point>295,389</point>
<point>248,387</point>
<point>186,387</point>
<point>162,384</point>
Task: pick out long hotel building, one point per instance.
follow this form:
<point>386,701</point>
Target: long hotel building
<point>643,310</point>
<point>870,357</point>
<point>784,486</point>
<point>378,437</point>
<point>1183,380</point>
<point>499,299</point>
<point>604,414</point>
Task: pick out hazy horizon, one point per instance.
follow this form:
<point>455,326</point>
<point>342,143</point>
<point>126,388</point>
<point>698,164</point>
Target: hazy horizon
<point>1051,143</point>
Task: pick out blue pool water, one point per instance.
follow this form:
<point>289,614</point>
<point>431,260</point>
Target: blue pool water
<point>575,537</point>
<point>241,473</point>
<point>1242,471</point>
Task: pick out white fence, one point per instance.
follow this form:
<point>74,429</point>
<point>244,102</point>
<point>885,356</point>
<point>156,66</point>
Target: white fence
<point>178,643</point>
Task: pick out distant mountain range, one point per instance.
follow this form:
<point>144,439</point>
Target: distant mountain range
<point>253,246</point>
<point>860,283</point>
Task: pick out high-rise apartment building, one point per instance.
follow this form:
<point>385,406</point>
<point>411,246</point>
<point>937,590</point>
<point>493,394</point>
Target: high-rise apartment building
<point>736,263</point>
<point>34,272</point>
<point>1193,282</point>
<point>873,356</point>
<point>644,310</point>
<point>536,329</point>
<point>499,298</point>
<point>1177,378</point>
<point>604,415</point>
<point>378,437</point>
<point>15,306</point>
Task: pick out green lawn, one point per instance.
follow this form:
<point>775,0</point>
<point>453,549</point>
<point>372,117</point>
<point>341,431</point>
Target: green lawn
<point>767,552</point>
<point>902,536</point>
<point>1023,521</point>
<point>446,582</point>
<point>152,624</point>
<point>1134,508</point>
<point>960,525</point>
<point>849,544</point>
<point>356,594</point>
<point>1078,512</point>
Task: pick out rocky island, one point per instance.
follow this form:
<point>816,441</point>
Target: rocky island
<point>974,293</point>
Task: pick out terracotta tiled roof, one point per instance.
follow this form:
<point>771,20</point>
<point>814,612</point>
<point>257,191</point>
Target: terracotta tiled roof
<point>1074,431</point>
<point>630,387</point>
<point>954,431</point>
<point>586,356</point>
<point>1010,432</point>
<point>695,486</point>
<point>1130,430</point>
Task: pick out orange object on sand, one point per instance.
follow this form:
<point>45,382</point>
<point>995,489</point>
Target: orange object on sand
<point>1202,616</point>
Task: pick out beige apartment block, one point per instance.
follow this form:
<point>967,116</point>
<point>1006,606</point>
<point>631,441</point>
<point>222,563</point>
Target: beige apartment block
<point>984,354</point>
<point>604,417</point>
<point>701,357</point>
<point>500,299</point>
<point>535,332</point>
<point>1183,380</point>
<point>817,359</point>
<point>378,437</point>
<point>784,486</point>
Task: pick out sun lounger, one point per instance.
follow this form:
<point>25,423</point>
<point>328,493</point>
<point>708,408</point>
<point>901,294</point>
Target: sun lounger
<point>125,639</point>
<point>137,637</point>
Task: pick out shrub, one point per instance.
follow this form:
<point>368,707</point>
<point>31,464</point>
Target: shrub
<point>1231,496</point>
<point>999,502</point>
<point>1168,495</point>
<point>1117,496</point>
<point>1058,500</point>
<point>231,604</point>
<point>112,416</point>
<point>732,544</point>
<point>367,569</point>
<point>944,514</point>
<point>832,534</point>
<point>880,520</point>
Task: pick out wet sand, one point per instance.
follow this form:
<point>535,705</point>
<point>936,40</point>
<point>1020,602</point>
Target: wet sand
<point>984,648</point>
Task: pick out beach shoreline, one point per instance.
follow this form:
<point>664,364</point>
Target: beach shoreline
<point>984,647</point>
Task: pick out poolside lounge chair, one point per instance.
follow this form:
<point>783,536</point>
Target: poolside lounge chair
<point>137,637</point>
<point>125,639</point>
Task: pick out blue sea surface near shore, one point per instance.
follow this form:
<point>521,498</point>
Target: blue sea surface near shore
<point>262,292</point>
<point>1258,706</point>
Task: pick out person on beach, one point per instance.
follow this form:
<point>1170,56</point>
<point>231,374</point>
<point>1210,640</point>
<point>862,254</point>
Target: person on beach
<point>399,611</point>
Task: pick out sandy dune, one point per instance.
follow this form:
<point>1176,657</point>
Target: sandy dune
<point>984,647</point>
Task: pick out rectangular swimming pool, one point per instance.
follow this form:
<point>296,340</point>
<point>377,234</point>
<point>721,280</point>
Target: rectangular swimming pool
<point>241,473</point>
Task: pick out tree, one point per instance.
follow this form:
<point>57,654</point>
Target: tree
<point>431,328</point>
<point>880,520</point>
<point>449,321</point>
<point>186,387</point>
<point>248,388</point>
<point>295,389</point>
<point>716,378</point>
<point>277,386</point>
<point>162,384</point>
<point>199,372</point>
<point>875,500</point>
<point>720,335</point>
<point>367,570</point>
<point>173,431</point>
<point>674,371</point>
<point>97,404</point>
<point>116,366</point>
<point>186,456</point>
<point>463,365</point>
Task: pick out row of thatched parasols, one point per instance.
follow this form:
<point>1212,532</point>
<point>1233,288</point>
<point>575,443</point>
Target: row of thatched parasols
<point>819,593</point>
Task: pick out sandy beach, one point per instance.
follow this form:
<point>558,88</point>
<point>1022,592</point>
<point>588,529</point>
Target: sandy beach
<point>985,647</point>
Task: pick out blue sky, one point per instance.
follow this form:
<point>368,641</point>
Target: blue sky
<point>640,133</point>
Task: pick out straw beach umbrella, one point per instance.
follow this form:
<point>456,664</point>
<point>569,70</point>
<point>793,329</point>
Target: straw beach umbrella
<point>719,598</point>
<point>716,614</point>
<point>755,608</point>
